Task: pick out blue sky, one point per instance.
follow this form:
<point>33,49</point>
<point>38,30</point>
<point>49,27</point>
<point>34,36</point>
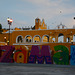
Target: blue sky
<point>24,12</point>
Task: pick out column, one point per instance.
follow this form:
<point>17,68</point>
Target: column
<point>64,38</point>
<point>56,39</point>
<point>71,38</point>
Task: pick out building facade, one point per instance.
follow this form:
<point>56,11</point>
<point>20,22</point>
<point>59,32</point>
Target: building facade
<point>39,35</point>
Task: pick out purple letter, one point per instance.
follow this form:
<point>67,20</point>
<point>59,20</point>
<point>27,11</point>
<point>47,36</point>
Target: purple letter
<point>40,55</point>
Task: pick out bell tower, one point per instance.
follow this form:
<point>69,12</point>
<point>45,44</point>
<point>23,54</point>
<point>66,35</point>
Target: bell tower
<point>37,23</point>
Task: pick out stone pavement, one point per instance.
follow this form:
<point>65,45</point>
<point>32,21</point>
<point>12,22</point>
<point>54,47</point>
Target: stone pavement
<point>35,69</point>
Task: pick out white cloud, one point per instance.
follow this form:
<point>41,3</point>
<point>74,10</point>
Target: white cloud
<point>47,9</point>
<point>45,2</point>
<point>18,24</point>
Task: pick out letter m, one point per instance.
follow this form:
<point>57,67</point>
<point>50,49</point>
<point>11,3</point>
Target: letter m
<point>40,55</point>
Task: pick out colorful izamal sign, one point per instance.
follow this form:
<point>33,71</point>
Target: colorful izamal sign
<point>72,58</point>
<point>38,55</point>
<point>62,55</point>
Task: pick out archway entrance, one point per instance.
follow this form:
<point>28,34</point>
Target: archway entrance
<point>37,38</point>
<point>19,39</point>
<point>60,38</point>
<point>28,38</point>
<point>45,38</point>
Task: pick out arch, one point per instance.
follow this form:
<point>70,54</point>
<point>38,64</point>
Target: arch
<point>45,38</point>
<point>60,34</point>
<point>19,39</point>
<point>28,38</point>
<point>37,38</point>
<point>60,37</point>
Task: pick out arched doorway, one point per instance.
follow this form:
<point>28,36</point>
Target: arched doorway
<point>19,39</point>
<point>36,38</point>
<point>60,38</point>
<point>45,38</point>
<point>28,38</point>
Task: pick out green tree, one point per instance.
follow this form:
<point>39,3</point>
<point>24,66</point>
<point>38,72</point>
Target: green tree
<point>0,28</point>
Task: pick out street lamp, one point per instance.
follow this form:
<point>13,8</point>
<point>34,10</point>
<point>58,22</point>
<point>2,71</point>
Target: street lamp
<point>9,22</point>
<point>5,39</point>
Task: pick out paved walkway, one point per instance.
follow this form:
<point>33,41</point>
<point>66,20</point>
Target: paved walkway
<point>36,69</point>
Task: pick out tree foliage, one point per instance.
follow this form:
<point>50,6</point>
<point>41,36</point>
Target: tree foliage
<point>0,26</point>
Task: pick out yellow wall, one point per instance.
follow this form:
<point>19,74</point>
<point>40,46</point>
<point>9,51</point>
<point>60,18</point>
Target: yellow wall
<point>2,43</point>
<point>54,33</point>
<point>51,33</point>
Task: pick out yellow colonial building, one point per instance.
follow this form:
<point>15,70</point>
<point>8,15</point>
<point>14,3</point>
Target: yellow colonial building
<point>23,39</point>
<point>38,34</point>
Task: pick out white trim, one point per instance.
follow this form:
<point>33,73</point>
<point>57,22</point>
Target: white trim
<point>26,44</point>
<point>42,29</point>
<point>44,43</point>
<point>30,43</point>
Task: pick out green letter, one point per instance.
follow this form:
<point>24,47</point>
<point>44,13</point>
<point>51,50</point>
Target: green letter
<point>62,55</point>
